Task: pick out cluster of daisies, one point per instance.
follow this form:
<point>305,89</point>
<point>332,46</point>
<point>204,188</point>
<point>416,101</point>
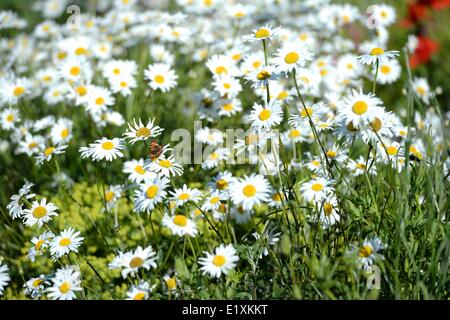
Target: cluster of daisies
<point>308,88</point>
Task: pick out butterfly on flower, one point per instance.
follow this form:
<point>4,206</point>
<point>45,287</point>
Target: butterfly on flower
<point>155,150</point>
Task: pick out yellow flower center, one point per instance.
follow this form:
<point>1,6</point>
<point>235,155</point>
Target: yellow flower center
<point>350,127</point>
<point>365,251</point>
<point>184,196</point>
<point>221,184</point>
<point>10,118</point>
<point>221,69</point>
<point>49,151</point>
<point>64,133</point>
<point>317,187</point>
<point>291,57</point>
<point>61,55</point>
<point>361,166</point>
<point>80,51</point>
<point>391,150</point>
<point>385,69</point>
<point>263,75</point>
<point>226,85</point>
<point>214,156</point>
<point>262,33</point>
<point>139,296</point>
<point>143,132</point>
<point>171,283</point>
<point>305,112</point>
<point>328,208</point>
<point>39,244</point>
<point>277,197</point>
<point>99,101</point>
<point>64,242</point>
<point>136,262</point>
<point>64,288</point>
<point>214,200</point>
<point>264,114</point>
<point>421,91</point>
<point>249,190</point>
<point>151,191</point>
<point>107,145</point>
<point>360,107</point>
<point>227,107</point>
<point>376,51</point>
<point>256,64</point>
<point>116,71</point>
<point>37,283</point>
<point>18,91</point>
<point>315,163</point>
<point>294,133</point>
<point>219,260</point>
<point>376,124</point>
<point>282,95</point>
<point>109,196</point>
<point>236,56</point>
<point>180,220</point>
<point>159,79</point>
<point>331,154</point>
<point>74,71</point>
<point>139,169</point>
<point>81,91</point>
<point>123,84</point>
<point>165,163</point>
<point>39,212</point>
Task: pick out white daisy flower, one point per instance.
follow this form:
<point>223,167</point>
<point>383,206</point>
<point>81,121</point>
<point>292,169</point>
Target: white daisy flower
<point>4,277</point>
<point>9,118</point>
<point>49,152</point>
<point>263,33</point>
<point>222,261</point>
<point>328,213</point>
<point>15,207</point>
<point>39,213</point>
<point>222,182</point>
<point>68,241</point>
<point>265,118</point>
<point>39,244</point>
<point>317,189</point>
<point>422,89</point>
<point>377,54</point>
<point>61,131</point>
<point>180,225</point>
<point>291,56</point>
<point>213,201</point>
<point>182,195</point>
<point>227,86</point>
<point>35,287</point>
<point>139,292</point>
<point>136,171</point>
<point>161,77</point>
<point>66,282</point>
<point>104,148</point>
<point>215,158</point>
<point>140,132</point>
<point>150,194</point>
<point>130,262</point>
<point>388,72</point>
<point>368,251</point>
<point>165,166</point>
<point>359,108</point>
<point>240,215</point>
<point>250,191</point>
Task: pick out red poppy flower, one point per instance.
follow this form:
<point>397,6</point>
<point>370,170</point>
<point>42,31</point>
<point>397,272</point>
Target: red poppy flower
<point>424,51</point>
